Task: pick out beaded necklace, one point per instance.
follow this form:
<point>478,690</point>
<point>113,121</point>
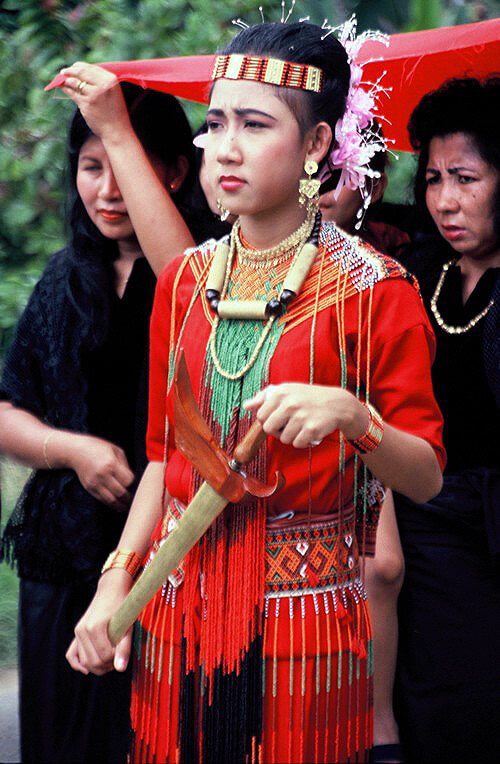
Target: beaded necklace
<point>439,319</point>
<point>303,241</point>
<point>255,258</point>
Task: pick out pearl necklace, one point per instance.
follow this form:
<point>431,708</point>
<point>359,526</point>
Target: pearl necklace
<point>437,315</point>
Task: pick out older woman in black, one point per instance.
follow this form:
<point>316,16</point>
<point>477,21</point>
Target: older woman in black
<point>73,405</point>
<point>450,604</point>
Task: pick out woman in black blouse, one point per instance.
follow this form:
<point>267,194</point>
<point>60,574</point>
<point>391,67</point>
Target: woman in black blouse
<point>73,406</point>
<point>448,666</point>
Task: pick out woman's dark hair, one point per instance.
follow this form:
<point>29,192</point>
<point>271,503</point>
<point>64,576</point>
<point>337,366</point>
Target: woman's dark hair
<point>459,106</point>
<point>303,43</point>
<point>163,129</point>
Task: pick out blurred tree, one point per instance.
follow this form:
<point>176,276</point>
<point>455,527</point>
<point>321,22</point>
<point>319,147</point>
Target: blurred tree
<point>36,40</point>
<point>37,37</point>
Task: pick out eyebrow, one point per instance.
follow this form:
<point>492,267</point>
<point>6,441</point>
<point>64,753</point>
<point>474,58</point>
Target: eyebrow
<point>454,170</point>
<point>241,113</point>
<point>450,170</point>
<point>89,157</point>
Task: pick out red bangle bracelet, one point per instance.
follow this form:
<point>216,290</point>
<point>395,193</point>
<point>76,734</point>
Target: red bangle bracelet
<point>122,558</point>
<point>371,439</point>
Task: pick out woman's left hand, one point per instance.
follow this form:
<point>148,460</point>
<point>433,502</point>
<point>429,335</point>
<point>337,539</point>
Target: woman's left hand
<point>305,414</point>
<point>97,94</point>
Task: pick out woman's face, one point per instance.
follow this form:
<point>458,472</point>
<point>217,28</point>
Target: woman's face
<point>254,151</point>
<point>460,195</point>
<point>99,192</point>
<point>342,210</point>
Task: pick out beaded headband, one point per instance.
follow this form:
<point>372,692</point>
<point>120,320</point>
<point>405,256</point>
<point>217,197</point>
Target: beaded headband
<point>272,71</point>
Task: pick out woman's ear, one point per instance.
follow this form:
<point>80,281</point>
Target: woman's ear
<point>177,174</point>
<point>378,188</point>
<point>318,141</point>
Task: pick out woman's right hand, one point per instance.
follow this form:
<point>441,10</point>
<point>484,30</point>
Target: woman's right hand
<point>102,469</point>
<point>97,94</point>
<point>91,651</point>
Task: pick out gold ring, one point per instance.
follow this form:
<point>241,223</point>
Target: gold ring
<point>80,86</point>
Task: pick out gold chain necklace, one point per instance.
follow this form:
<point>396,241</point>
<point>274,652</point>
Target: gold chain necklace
<point>272,255</point>
<point>213,334</point>
<point>437,315</point>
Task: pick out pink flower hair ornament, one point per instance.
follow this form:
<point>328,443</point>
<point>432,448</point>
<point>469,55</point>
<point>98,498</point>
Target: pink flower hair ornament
<point>357,137</point>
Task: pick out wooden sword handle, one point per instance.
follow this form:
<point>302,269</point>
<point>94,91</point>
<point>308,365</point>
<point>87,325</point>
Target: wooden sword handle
<point>202,511</point>
<point>250,443</point>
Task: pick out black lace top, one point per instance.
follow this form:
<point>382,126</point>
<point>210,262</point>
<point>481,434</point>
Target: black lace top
<point>57,531</point>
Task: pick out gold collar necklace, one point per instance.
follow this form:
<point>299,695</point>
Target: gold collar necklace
<point>256,258</point>
<point>437,315</point>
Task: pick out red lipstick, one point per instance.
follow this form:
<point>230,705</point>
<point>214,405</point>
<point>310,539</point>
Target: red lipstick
<point>231,182</point>
<point>112,216</point>
<point>452,233</point>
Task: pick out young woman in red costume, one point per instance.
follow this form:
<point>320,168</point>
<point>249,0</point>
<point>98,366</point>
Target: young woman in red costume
<point>259,646</point>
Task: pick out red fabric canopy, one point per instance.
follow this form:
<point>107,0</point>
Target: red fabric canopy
<point>418,62</point>
<point>415,63</point>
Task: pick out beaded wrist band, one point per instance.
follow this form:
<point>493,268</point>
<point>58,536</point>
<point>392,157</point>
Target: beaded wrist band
<point>371,439</point>
<point>121,558</point>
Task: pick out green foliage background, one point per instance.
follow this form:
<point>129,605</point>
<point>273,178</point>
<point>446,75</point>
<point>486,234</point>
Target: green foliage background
<point>13,476</point>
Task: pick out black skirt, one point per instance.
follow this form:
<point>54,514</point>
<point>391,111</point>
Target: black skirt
<point>447,699</point>
<point>66,717</point>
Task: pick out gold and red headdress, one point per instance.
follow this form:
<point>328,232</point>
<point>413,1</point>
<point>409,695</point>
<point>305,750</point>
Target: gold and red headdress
<point>272,71</point>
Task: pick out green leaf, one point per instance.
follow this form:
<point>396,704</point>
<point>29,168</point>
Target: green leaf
<point>18,213</point>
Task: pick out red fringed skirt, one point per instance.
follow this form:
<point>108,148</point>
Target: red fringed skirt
<point>317,664</point>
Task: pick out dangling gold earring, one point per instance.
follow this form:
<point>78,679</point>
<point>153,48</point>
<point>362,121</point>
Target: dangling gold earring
<point>309,187</point>
<point>223,212</point>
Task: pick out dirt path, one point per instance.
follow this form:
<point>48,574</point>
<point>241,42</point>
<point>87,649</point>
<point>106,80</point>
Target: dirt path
<point>9,725</point>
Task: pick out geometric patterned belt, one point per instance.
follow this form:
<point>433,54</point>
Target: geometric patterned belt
<point>299,559</point>
<point>316,556</point>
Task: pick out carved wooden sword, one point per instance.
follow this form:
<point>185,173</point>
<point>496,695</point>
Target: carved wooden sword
<point>225,481</point>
